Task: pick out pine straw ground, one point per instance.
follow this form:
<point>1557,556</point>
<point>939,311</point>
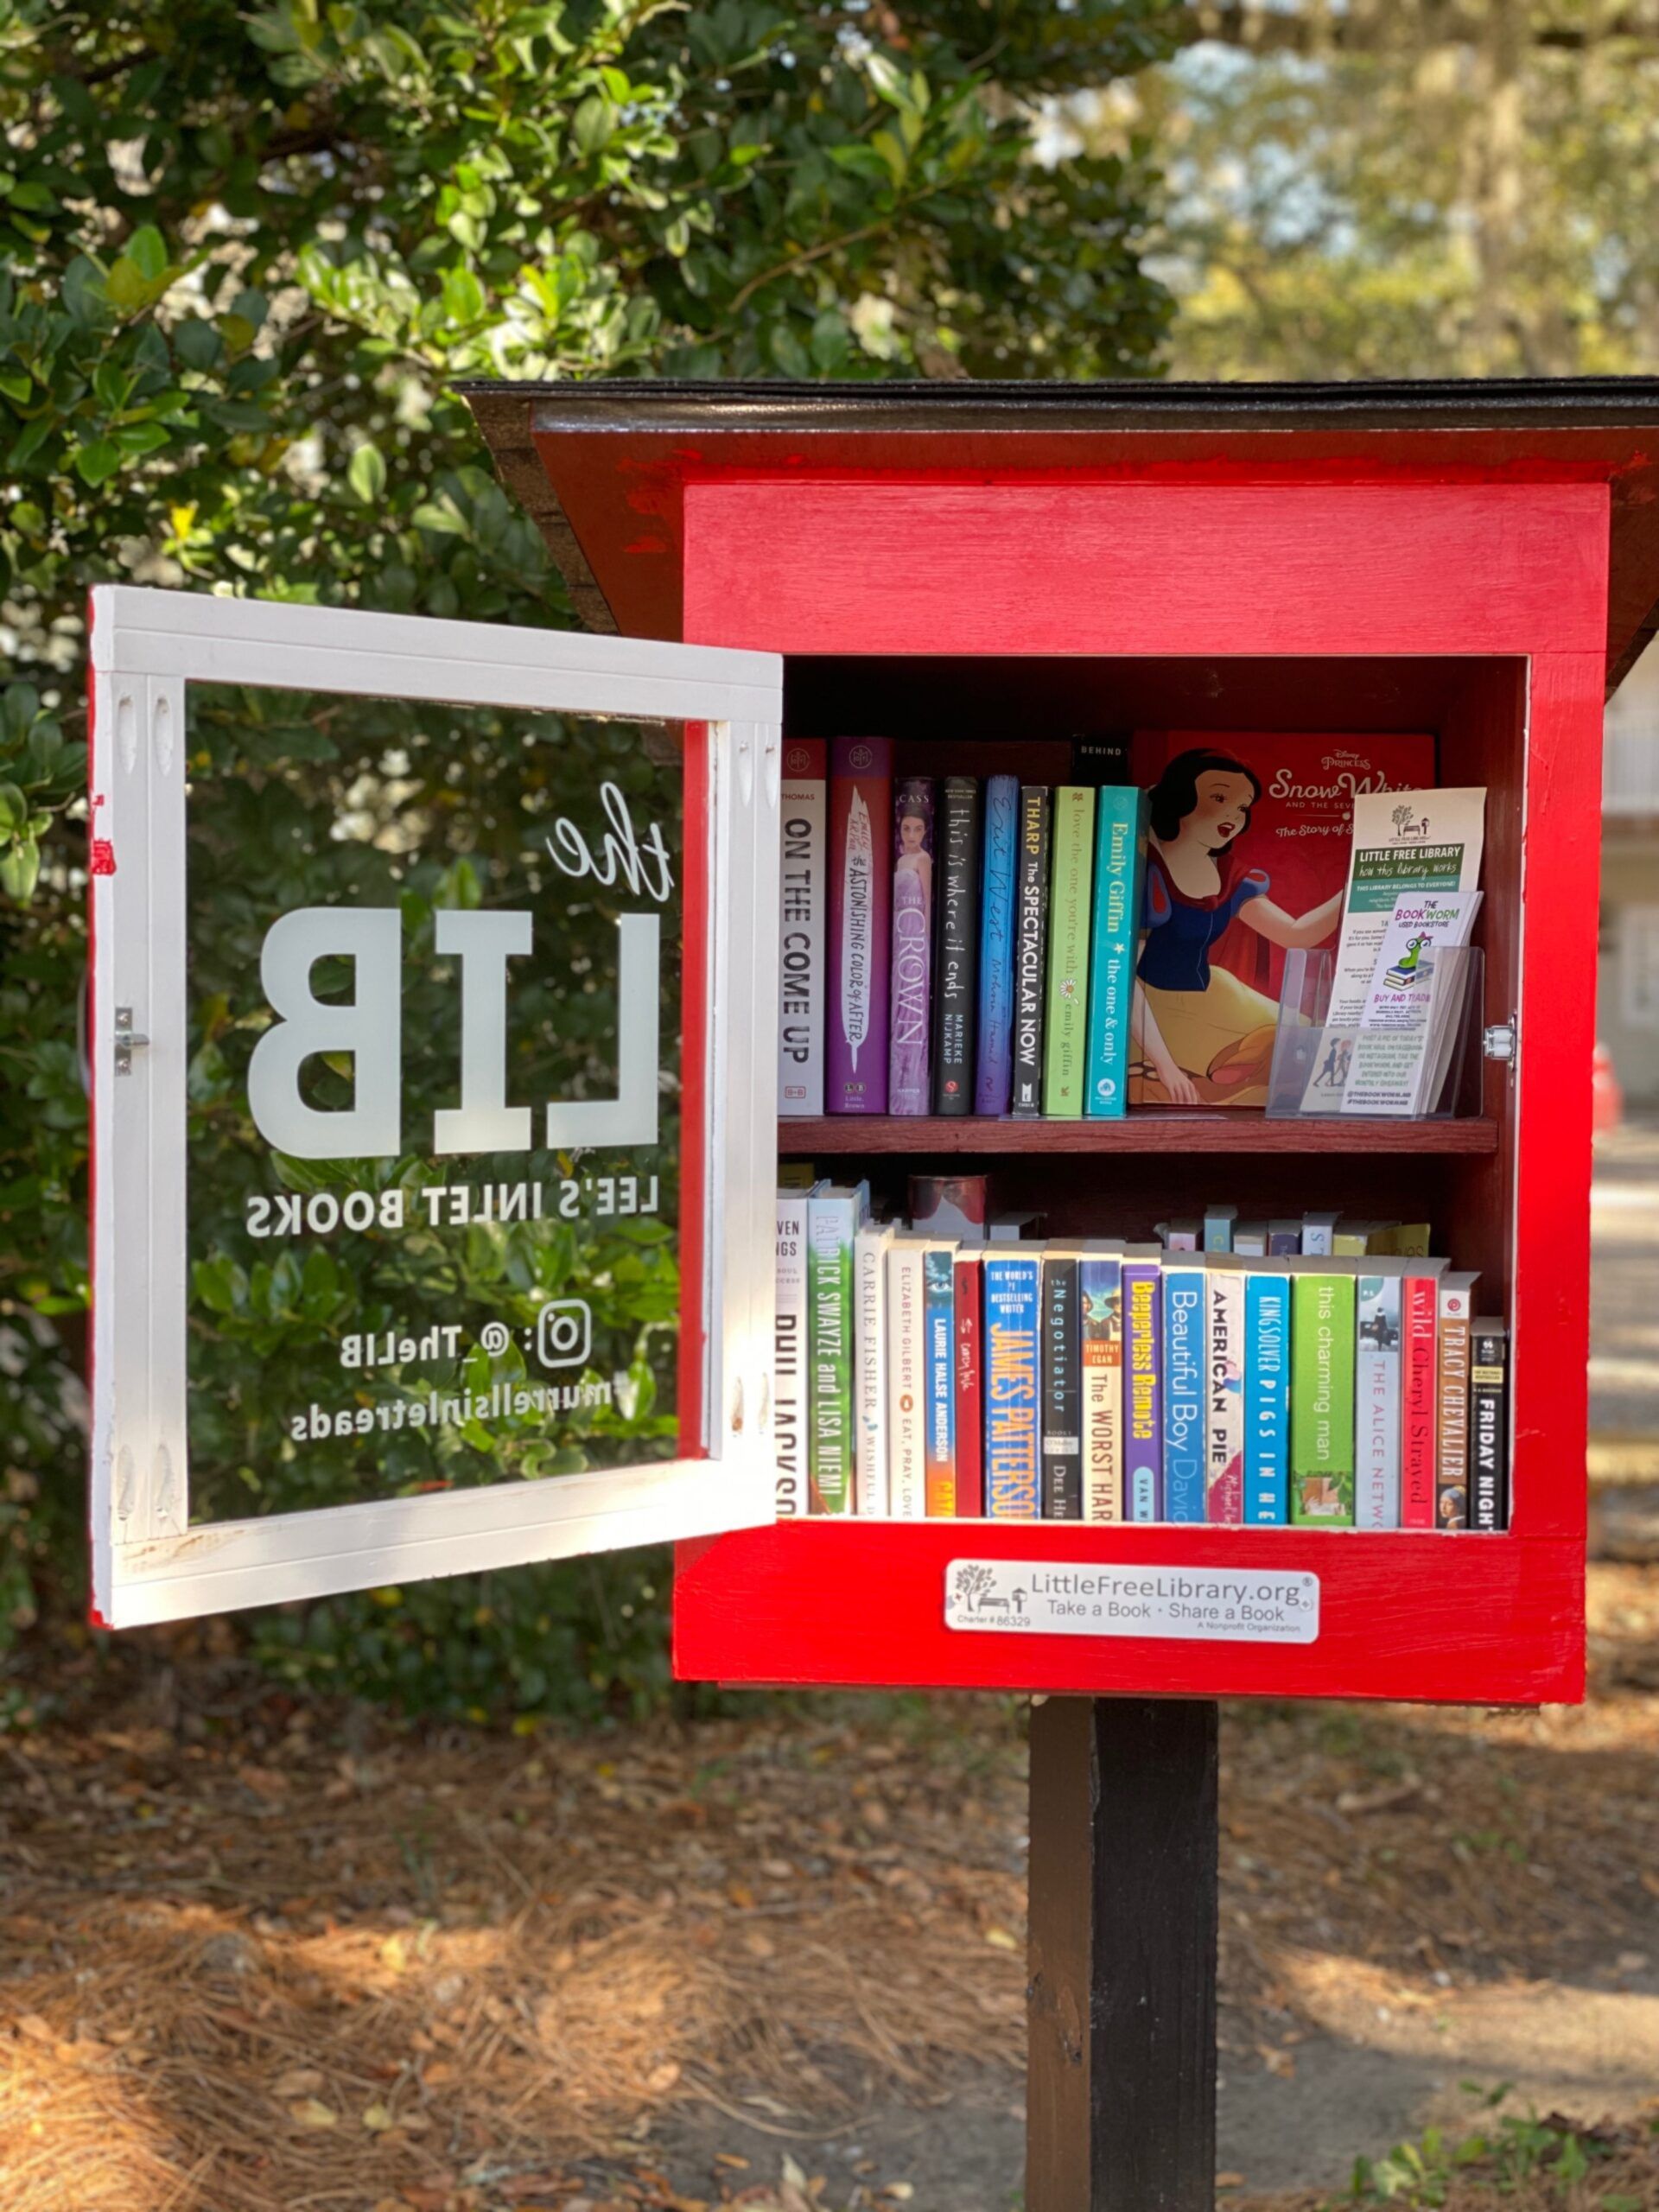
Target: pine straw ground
<point>257,1960</point>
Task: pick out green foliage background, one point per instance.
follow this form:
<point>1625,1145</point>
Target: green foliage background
<point>243,253</point>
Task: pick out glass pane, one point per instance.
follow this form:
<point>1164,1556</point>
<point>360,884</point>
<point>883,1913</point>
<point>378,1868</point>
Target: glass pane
<point>434,1089</point>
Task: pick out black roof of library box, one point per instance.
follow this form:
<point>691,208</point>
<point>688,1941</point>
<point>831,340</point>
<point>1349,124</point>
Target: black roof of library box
<point>560,448</point>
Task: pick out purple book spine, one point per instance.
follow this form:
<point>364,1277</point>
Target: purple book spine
<point>861,927</point>
<point>912,945</point>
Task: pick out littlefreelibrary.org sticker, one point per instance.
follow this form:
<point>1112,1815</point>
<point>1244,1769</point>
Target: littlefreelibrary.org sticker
<point>1007,1597</point>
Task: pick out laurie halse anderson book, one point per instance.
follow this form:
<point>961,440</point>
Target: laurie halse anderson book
<point>1247,842</point>
<point>860,926</point>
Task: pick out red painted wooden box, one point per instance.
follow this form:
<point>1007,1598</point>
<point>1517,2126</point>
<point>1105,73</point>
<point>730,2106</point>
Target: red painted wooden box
<point>964,567</point>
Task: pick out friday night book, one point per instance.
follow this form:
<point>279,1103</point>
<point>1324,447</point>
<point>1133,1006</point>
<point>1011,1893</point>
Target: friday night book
<point>1248,839</point>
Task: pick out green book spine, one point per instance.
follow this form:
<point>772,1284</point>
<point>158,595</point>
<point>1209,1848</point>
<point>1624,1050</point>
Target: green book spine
<point>831,1223</point>
<point>1322,1401</point>
<point>1065,1066</point>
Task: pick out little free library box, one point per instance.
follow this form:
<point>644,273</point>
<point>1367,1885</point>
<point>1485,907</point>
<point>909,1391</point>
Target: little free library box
<point>437,1153</point>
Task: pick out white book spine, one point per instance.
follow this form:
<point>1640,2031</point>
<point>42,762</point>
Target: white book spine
<point>789,1357</point>
<point>1376,1402</point>
<point>805,907</point>
<point>870,1249</point>
<point>907,1384</point>
<point>1225,1396</point>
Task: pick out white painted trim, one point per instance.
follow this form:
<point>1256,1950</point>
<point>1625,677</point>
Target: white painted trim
<point>148,1563</point>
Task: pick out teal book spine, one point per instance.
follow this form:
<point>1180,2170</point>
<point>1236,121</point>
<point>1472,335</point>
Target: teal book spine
<point>1120,857</point>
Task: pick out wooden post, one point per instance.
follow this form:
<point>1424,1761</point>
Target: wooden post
<point>1121,2096</point>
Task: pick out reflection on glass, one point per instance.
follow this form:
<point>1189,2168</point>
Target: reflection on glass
<point>434,1097</point>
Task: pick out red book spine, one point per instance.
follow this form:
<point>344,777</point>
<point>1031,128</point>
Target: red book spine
<point>971,1457</point>
<point>1419,1399</point>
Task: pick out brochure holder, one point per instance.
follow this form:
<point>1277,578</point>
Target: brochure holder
<point>1311,1065</point>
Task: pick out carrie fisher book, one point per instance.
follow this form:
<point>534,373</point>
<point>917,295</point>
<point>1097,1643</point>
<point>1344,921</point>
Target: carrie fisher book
<point>1072,866</point>
<point>1322,1394</point>
<point>910,990</point>
<point>1420,1391</point>
<point>906,1378</point>
<point>1452,1456</point>
<point>832,1219</point>
<point>1061,1381</point>
<point>1378,1331</point>
<point>801,945</point>
<point>1010,1307</point>
<point>788,1360</point>
<point>1120,848</point>
<point>870,1249</point>
<point>1267,1393</point>
<point>860,926</point>
<point>1183,1388</point>
<point>956,985</point>
<point>993,1050</point>
<point>970,1388</point>
<point>1031,948</point>
<point>1143,1437</point>
<point>1489,1427</point>
<point>1223,1378</point>
<point>939,1323</point>
<point>1100,1315</point>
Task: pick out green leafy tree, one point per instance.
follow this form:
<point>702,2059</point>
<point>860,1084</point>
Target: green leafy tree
<point>243,253</point>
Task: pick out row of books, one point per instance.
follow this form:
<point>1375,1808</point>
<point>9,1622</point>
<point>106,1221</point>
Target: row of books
<point>918,1374</point>
<point>953,948</point>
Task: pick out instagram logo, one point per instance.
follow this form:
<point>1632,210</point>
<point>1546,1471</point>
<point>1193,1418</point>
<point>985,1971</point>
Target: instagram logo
<point>564,1332</point>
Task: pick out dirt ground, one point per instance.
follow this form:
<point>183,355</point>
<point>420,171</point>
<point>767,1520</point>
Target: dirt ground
<point>256,1958</point>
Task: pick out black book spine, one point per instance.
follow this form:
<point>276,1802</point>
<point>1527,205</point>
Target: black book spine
<point>1062,1394</point>
<point>1031,950</point>
<point>1489,1427</point>
<point>956,999</point>
<point>1100,756</point>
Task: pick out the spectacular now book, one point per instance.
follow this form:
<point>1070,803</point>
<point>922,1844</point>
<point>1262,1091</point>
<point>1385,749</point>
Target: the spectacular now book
<point>1247,840</point>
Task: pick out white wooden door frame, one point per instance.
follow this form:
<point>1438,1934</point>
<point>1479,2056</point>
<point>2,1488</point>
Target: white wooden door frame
<point>150,1564</point>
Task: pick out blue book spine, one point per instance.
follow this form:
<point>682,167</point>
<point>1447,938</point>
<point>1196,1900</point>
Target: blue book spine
<point>940,1337</point>
<point>1184,1429</point>
<point>1012,1459</point>
<point>1120,846</point>
<point>1143,1446</point>
<point>994,1064</point>
<point>1267,1398</point>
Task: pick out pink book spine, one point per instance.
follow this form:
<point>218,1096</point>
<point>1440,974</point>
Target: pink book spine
<point>860,926</point>
<point>1419,1394</point>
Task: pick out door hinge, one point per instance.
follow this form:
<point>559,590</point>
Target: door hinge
<point>127,1040</point>
<point>1500,1040</point>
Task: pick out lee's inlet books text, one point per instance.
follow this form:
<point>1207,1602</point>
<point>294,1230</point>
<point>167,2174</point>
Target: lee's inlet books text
<point>920,1375</point>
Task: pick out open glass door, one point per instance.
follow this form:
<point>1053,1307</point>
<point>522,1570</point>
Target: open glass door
<point>434,1140</point>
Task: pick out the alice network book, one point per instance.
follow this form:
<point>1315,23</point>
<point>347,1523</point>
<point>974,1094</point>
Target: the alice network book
<point>1247,840</point>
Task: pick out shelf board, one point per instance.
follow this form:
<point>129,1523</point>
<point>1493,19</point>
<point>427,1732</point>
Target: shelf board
<point>1152,1129</point>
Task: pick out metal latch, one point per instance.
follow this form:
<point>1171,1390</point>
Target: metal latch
<point>1500,1040</point>
<point>127,1040</point>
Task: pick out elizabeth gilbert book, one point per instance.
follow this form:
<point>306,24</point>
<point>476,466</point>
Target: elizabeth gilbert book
<point>909,994</point>
<point>861,929</point>
<point>1247,854</point>
<point>801,946</point>
<point>957,987</point>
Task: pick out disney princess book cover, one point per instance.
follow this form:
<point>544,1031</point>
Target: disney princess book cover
<point>1247,837</point>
